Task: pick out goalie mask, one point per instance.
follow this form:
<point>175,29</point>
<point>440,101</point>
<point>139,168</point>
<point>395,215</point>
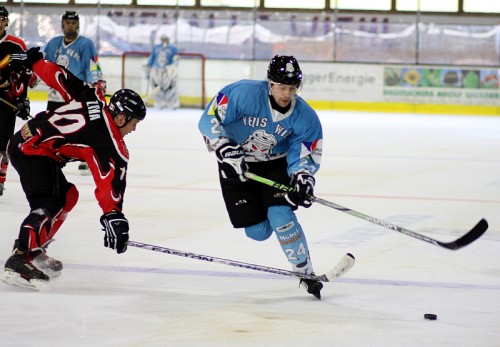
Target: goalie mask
<point>128,102</point>
<point>285,70</point>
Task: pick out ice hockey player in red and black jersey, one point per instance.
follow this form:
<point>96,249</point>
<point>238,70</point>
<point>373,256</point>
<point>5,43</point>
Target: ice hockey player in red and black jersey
<point>13,91</point>
<point>86,128</point>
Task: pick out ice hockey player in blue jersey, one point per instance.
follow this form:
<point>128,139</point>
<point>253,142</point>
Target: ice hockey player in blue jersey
<point>161,71</point>
<point>78,54</point>
<point>265,128</point>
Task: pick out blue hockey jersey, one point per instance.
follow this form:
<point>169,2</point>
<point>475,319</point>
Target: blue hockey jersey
<point>79,57</point>
<point>241,113</point>
<point>162,55</point>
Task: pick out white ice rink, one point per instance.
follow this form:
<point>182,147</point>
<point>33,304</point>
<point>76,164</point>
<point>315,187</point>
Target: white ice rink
<point>435,175</point>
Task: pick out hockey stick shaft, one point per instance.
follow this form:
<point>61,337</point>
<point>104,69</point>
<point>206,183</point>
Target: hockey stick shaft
<point>472,235</point>
<point>14,107</point>
<point>240,264</point>
<point>151,95</point>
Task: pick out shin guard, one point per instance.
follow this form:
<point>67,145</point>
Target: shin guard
<point>35,230</point>
<point>70,202</point>
<point>291,238</point>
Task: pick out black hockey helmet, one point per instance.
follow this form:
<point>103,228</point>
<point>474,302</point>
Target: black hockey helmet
<point>71,15</point>
<point>3,12</point>
<point>284,69</point>
<point>128,102</point>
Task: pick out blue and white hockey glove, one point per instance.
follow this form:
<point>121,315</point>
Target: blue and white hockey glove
<point>303,183</point>
<point>232,163</point>
<point>115,227</point>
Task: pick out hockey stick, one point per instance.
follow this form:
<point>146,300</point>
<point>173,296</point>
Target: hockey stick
<point>153,93</point>
<point>342,267</point>
<point>472,235</point>
<point>14,107</point>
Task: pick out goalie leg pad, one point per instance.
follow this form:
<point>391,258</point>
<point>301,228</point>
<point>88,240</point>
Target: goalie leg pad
<point>291,237</point>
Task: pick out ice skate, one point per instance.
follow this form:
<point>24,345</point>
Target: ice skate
<point>19,271</point>
<point>312,287</point>
<point>1,189</point>
<point>84,169</point>
<point>49,266</point>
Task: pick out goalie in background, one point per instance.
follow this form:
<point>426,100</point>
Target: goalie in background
<point>161,72</point>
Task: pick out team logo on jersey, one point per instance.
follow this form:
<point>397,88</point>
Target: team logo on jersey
<point>313,149</point>
<point>221,106</point>
<point>259,144</point>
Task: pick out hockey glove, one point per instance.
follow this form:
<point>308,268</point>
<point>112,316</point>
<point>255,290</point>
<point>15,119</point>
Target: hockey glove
<point>23,108</point>
<point>24,60</point>
<point>303,183</point>
<point>115,227</point>
<point>100,84</point>
<point>232,163</point>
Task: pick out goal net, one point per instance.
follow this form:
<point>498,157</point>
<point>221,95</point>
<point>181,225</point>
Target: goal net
<point>191,80</point>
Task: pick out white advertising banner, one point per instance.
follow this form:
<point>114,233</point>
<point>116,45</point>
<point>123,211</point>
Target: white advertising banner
<point>402,84</point>
<point>342,82</point>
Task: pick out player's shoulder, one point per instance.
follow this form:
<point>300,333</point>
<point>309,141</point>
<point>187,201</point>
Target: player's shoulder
<point>55,39</point>
<point>244,85</point>
<point>84,40</point>
<point>300,102</point>
<point>16,41</point>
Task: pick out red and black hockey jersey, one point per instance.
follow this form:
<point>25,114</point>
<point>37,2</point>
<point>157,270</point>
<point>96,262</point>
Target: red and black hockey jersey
<point>83,129</point>
<point>11,89</point>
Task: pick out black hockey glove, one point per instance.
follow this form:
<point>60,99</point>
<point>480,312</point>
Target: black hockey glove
<point>21,60</point>
<point>303,183</point>
<point>23,108</point>
<point>232,163</point>
<point>115,227</point>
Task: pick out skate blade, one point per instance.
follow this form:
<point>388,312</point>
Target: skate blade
<point>14,279</point>
<point>50,273</point>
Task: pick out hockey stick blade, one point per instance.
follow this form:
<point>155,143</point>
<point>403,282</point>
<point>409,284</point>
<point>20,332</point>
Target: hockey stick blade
<point>471,236</point>
<point>341,268</point>
<point>463,241</point>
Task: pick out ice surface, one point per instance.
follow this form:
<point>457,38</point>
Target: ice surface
<point>436,175</point>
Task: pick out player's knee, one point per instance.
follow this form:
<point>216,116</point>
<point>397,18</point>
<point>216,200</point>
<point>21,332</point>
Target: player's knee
<point>49,203</point>
<point>279,216</point>
<point>37,217</point>
<point>259,232</point>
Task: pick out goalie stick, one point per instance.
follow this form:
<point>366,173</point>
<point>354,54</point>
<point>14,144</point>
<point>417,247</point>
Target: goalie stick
<point>344,265</point>
<point>469,237</point>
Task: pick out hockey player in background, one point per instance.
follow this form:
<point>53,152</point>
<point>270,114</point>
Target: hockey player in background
<point>265,128</point>
<point>14,101</point>
<point>76,53</point>
<point>161,71</point>
<point>86,128</point>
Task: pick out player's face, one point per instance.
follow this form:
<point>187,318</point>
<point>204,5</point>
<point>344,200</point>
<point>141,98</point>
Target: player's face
<point>129,127</point>
<point>4,23</point>
<point>70,28</point>
<point>283,93</point>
